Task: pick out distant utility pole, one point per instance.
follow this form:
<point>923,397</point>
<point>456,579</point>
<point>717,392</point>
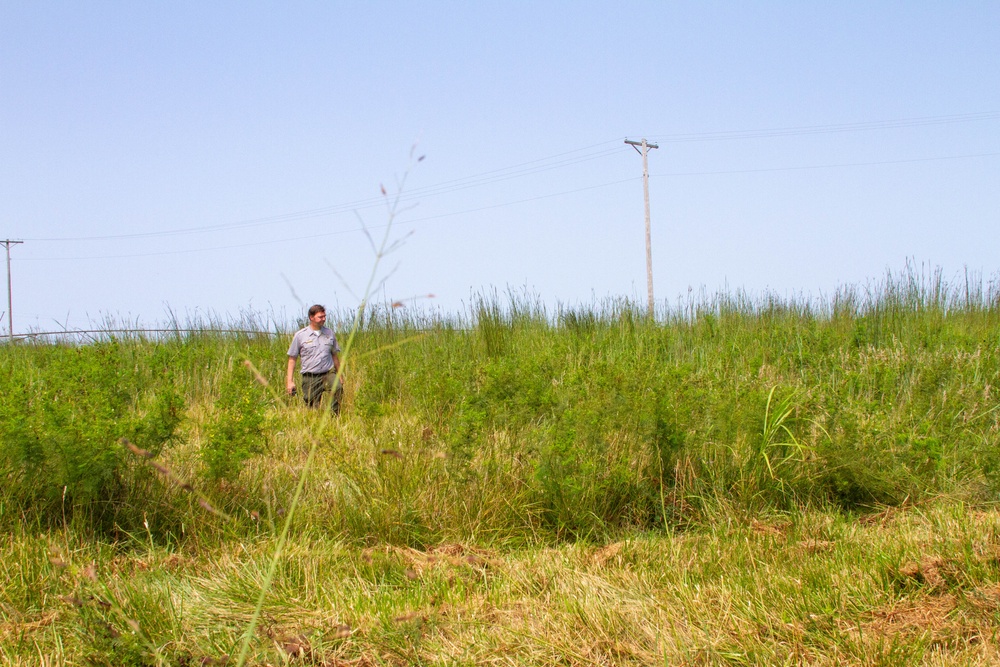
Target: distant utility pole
<point>645,189</point>
<point>10,301</point>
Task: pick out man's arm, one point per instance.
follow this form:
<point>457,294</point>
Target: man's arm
<point>290,376</point>
<point>336,363</point>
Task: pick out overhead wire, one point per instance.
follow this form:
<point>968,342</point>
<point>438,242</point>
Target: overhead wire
<point>486,178</point>
<point>724,172</point>
<point>515,202</point>
<point>531,167</point>
<point>339,231</point>
<point>899,123</point>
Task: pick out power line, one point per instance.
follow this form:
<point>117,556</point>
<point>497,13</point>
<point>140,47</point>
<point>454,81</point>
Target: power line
<point>339,232</point>
<point>827,129</point>
<point>479,209</point>
<point>548,163</point>
<point>447,187</point>
<point>825,166</point>
<point>530,162</point>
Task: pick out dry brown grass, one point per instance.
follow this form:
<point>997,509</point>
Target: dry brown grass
<point>816,589</point>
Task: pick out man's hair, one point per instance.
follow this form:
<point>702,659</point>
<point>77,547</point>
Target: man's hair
<point>316,309</point>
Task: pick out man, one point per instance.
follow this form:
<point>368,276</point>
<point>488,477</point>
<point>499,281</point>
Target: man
<point>317,346</point>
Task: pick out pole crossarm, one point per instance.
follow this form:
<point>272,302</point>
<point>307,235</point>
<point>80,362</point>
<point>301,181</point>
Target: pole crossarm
<point>639,143</point>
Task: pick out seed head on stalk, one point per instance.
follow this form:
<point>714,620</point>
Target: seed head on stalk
<point>380,250</point>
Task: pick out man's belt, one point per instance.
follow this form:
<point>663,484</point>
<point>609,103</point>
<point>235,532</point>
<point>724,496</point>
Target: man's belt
<point>315,375</point>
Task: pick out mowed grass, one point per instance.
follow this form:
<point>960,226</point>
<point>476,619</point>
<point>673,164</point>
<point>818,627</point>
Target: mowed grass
<point>905,586</point>
<point>739,481</point>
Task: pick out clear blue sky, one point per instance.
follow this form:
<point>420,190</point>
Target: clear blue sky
<point>213,157</point>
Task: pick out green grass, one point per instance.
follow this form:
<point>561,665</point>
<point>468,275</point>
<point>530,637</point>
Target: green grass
<point>906,587</point>
<point>740,481</point>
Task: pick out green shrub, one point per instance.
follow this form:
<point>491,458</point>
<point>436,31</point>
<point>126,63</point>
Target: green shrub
<point>236,428</point>
<point>65,409</point>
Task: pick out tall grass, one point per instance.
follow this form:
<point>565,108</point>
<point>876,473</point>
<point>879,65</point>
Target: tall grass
<point>147,487</point>
<point>513,423</point>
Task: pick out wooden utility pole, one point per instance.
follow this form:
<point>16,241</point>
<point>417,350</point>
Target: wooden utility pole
<point>10,301</point>
<point>645,190</point>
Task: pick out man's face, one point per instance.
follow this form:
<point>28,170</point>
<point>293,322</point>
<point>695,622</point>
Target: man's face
<point>316,321</point>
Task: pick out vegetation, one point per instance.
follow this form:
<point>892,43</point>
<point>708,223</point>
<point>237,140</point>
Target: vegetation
<point>743,480</point>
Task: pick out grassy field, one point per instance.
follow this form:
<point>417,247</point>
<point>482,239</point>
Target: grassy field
<point>907,586</point>
<point>741,481</point>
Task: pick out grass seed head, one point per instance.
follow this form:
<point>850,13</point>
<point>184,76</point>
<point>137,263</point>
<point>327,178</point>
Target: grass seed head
<point>296,647</point>
<point>261,380</point>
<point>208,506</point>
<point>138,451</point>
<point>409,616</point>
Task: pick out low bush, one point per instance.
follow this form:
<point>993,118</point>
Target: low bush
<point>65,409</point>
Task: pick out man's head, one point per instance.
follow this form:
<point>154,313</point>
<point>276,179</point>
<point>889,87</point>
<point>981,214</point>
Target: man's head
<point>317,316</point>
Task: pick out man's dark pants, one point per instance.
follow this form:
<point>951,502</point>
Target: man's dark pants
<point>316,387</point>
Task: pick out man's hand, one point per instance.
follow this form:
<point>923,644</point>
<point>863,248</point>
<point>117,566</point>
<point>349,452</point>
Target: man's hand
<point>290,377</point>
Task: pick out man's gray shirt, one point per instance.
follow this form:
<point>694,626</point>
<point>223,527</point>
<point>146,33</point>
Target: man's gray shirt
<point>316,349</point>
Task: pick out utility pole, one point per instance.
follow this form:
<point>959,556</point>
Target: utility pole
<point>645,189</point>
<point>10,301</point>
